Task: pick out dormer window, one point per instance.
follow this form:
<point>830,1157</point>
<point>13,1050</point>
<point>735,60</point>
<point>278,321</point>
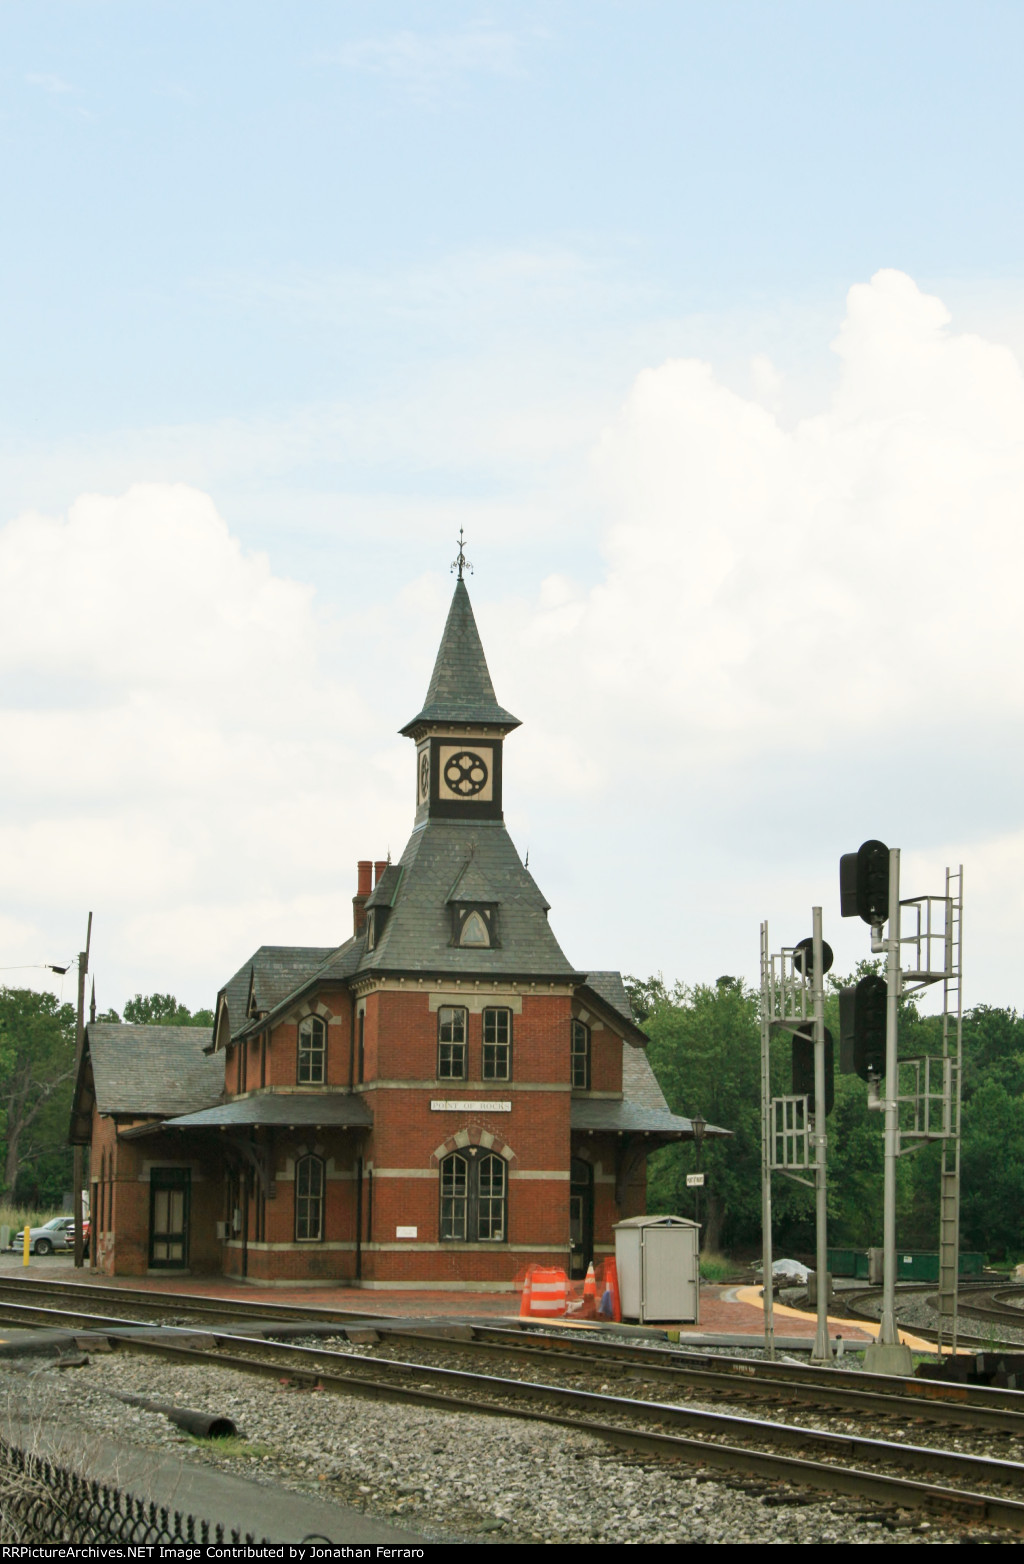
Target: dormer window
<point>371,928</point>
<point>474,927</point>
<point>474,931</point>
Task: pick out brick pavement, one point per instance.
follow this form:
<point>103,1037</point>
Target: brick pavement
<point>726,1309</point>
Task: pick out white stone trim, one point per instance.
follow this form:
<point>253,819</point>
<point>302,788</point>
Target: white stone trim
<point>407,1246</point>
<point>303,1245</point>
<point>473,1086</point>
<point>475,1001</point>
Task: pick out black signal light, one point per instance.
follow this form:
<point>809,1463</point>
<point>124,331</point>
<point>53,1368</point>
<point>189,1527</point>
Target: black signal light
<point>803,1068</point>
<point>864,883</point>
<point>862,1023</point>
<point>803,957</point>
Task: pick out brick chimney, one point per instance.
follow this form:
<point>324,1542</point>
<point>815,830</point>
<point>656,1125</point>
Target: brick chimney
<point>364,869</point>
<point>378,869</point>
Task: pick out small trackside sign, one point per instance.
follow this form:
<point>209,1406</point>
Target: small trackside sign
<point>695,1181</point>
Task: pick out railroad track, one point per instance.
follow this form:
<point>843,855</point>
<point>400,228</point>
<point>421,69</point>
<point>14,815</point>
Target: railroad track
<point>968,1487</point>
<point>978,1300</point>
<point>574,1351</point>
<point>971,1487</point>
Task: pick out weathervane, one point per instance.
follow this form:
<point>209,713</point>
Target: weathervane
<point>462,563</point>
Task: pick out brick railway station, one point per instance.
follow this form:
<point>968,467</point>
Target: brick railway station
<point>435,1104</point>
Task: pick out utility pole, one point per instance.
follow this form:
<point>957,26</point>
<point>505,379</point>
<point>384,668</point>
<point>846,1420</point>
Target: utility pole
<point>767,1110</point>
<point>83,968</point>
<point>888,1355</point>
<point>822,1349</point>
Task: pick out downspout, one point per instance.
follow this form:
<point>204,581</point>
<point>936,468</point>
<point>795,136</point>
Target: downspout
<point>246,1182</point>
<point>359,1218</point>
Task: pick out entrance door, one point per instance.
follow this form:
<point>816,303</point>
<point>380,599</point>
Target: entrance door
<point>581,1215</point>
<point>169,1190</point>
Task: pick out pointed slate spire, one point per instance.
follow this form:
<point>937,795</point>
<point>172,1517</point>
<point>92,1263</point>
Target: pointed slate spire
<point>460,687</point>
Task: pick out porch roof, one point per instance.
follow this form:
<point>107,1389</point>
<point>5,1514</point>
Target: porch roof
<point>622,1117</point>
<point>299,1110</point>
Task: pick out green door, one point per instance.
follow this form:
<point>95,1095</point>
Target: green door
<point>581,1215</point>
<point>169,1191</point>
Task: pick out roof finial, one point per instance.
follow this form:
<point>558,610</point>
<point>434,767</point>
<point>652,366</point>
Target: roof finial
<point>462,563</point>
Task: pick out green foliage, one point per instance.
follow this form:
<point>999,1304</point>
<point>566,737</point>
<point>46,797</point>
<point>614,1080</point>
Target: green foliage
<point>37,1058</point>
<point>161,1010</point>
<point>705,1050</point>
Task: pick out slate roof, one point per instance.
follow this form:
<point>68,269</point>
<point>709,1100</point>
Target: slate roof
<point>609,992</point>
<point>417,937</point>
<point>460,686</point>
<point>274,972</point>
<point>306,1110</point>
<point>471,884</point>
<point>639,1082</point>
<point>386,887</point>
<point>152,1069</point>
<point>643,1107</point>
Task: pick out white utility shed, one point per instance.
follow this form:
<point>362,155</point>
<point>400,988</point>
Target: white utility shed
<point>658,1264</point>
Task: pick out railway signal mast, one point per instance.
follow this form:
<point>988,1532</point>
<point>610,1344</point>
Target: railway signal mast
<point>922,1095</point>
<point>793,1000</point>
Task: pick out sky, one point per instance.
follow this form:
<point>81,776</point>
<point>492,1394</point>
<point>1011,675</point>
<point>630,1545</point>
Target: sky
<point>704,320</point>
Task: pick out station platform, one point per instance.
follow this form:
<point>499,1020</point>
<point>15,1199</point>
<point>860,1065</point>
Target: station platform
<point>725,1310</point>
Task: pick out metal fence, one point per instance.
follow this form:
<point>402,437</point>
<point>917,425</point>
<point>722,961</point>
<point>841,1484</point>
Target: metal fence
<point>43,1502</point>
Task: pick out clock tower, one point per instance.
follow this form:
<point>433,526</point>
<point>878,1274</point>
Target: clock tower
<point>460,731</point>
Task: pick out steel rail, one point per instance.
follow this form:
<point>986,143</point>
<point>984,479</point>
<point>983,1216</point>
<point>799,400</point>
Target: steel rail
<point>853,1303</point>
<point>864,1393</point>
<point>972,1406</point>
<point>269,1359</point>
<point>187,1303</point>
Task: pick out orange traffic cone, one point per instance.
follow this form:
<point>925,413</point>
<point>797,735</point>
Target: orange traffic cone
<point>590,1293</point>
<point>524,1304</point>
<point>609,1306</point>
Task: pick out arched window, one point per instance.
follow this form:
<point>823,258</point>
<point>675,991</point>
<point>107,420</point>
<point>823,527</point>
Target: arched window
<point>474,1198</point>
<point>309,1199</point>
<point>312,1051</point>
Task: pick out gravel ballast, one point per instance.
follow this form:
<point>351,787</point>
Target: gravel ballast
<point>478,1477</point>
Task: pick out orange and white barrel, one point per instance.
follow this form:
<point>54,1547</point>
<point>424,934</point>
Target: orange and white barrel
<point>549,1294</point>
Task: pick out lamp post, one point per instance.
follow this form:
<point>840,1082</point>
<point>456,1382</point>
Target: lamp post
<point>699,1126</point>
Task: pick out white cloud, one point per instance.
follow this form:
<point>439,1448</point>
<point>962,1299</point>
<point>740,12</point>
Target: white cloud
<point>422,62</point>
<point>860,568</point>
<point>803,633</point>
<point>174,735</point>
<point>49,83</point>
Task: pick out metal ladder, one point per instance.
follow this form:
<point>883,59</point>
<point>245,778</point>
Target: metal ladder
<point>949,1188</point>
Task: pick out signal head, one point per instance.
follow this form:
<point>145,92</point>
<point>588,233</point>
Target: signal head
<point>864,883</point>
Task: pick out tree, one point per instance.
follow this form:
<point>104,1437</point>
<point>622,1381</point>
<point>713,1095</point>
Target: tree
<point>162,1010</point>
<point>705,1050</point>
<point>37,1068</point>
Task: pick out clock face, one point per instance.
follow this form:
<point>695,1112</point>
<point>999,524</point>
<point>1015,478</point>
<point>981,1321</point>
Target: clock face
<point>424,777</point>
<point>466,774</point>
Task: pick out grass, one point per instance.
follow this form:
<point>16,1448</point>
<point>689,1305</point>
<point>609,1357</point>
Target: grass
<point>232,1445</point>
<point>15,1217</point>
<point>716,1268</point>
